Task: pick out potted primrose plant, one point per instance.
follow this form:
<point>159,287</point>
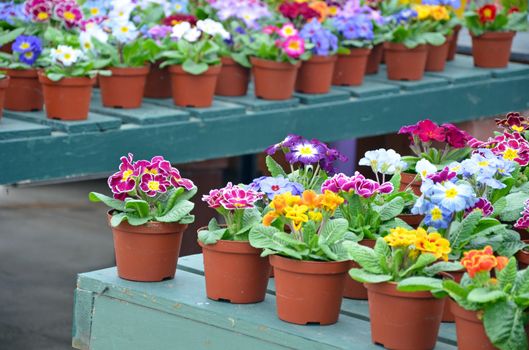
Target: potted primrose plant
<point>234,270</point>
<point>149,213</point>
<point>492,29</point>
<point>396,272</point>
<point>4,83</point>
<point>192,54</point>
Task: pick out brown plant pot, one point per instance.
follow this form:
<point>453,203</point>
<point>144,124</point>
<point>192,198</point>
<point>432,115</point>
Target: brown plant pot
<point>124,88</point>
<point>235,272</point>
<point>436,58</point>
<point>315,75</point>
<point>7,48</point>
<point>24,93</point>
<point>308,291</point>
<point>374,59</point>
<point>158,83</point>
<point>414,220</point>
<point>191,90</point>
<point>492,49</point>
<point>470,330</point>
<point>452,47</point>
<point>448,315</point>
<point>354,289</point>
<point>404,63</point>
<point>523,257</point>
<point>274,80</point>
<point>4,83</point>
<point>233,79</point>
<point>147,253</point>
<point>524,234</point>
<point>350,69</point>
<point>408,180</point>
<point>68,98</point>
<point>403,320</point>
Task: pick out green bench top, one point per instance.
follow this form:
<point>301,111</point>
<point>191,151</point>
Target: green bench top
<point>243,125</point>
<point>111,313</point>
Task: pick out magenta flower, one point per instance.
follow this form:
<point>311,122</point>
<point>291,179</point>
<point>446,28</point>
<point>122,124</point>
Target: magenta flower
<point>366,188</point>
<point>237,197</point>
<point>154,166</point>
<point>39,10</point>
<point>456,137</point>
<point>305,152</point>
<point>386,188</point>
<point>125,179</point>
<point>69,12</point>
<point>289,141</point>
<point>213,198</point>
<point>173,174</point>
<point>335,184</point>
<point>153,184</point>
<point>442,176</point>
<point>294,46</point>
<point>483,205</point>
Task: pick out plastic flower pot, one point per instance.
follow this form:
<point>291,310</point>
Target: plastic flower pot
<point>274,80</point>
<point>374,59</point>
<point>4,83</point>
<point>414,220</point>
<point>448,315</point>
<point>436,59</point>
<point>147,253</point>
<point>409,180</point>
<point>315,75</point>
<point>7,48</point>
<point>523,257</point>
<point>24,92</point>
<point>469,329</point>
<point>233,79</point>
<point>191,90</point>
<point>158,83</point>
<point>124,88</point>
<point>524,234</point>
<point>235,272</point>
<point>68,98</point>
<point>350,69</point>
<point>492,49</point>
<point>354,289</point>
<point>452,47</point>
<point>404,63</point>
<point>309,292</point>
<point>403,320</point>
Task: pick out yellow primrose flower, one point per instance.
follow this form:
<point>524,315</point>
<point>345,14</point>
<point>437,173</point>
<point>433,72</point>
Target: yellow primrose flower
<point>440,13</point>
<point>330,201</point>
<point>315,215</point>
<point>432,243</point>
<point>297,213</point>
<point>400,237</point>
<point>311,199</point>
<point>281,201</point>
<point>269,218</point>
<point>423,11</point>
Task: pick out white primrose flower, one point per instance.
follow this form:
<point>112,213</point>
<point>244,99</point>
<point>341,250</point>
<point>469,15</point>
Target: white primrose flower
<point>86,42</point>
<point>425,168</point>
<point>213,28</point>
<point>121,10</point>
<point>180,29</point>
<point>95,31</point>
<point>192,35</point>
<point>124,32</point>
<point>66,55</point>
<point>383,161</point>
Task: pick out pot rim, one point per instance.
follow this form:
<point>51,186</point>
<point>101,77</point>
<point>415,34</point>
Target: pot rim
<point>356,52</point>
<point>494,35</point>
<point>128,71</point>
<point>67,81</point>
<point>460,312</point>
<point>390,288</point>
<point>177,69</point>
<point>269,64</point>
<point>318,59</point>
<point>401,47</point>
<point>31,73</point>
<point>309,267</point>
<point>149,228</point>
<point>231,247</point>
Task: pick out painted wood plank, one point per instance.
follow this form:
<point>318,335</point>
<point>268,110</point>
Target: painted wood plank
<point>512,70</point>
<point>15,129</point>
<point>457,74</point>
<point>256,104</point>
<point>82,319</point>
<point>427,82</point>
<point>218,109</point>
<point>95,122</point>
<point>371,87</point>
<point>333,95</point>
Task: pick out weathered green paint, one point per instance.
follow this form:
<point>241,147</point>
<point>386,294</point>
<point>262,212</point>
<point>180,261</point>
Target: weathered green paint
<point>245,125</point>
<point>176,313</point>
<point>427,82</point>
<point>82,319</point>
<point>512,70</point>
<point>334,95</point>
<point>16,129</point>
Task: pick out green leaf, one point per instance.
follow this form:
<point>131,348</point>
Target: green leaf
<point>485,295</point>
<point>211,236</point>
<point>504,325</point>
<point>423,261</point>
<point>274,168</point>
<point>443,266</point>
<point>522,282</point>
<point>117,219</point>
<point>173,196</point>
<point>55,76</point>
<point>420,283</point>
<point>366,277</point>
<point>180,210</point>
<point>194,68</point>
<point>333,231</point>
<point>135,220</point>
<point>365,257</point>
<point>138,206</point>
<point>515,205</point>
<point>507,276</point>
<point>111,202</point>
<point>454,289</point>
<point>390,209</point>
<point>188,219</point>
<point>11,36</point>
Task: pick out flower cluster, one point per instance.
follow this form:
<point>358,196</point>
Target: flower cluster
<point>487,13</point>
<point>12,13</point>
<point>145,178</point>
<point>432,12</point>
<point>287,39</point>
<point>419,242</point>
<point>28,48</point>
<point>67,12</point>
<point>354,28</point>
<point>513,121</point>
<point>249,11</point>
<point>511,146</point>
<point>95,8</point>
<point>324,41</point>
<point>190,33</point>
<point>403,16</point>
<point>386,162</point>
<point>171,21</point>
<point>272,186</point>
<point>356,184</point>
<point>523,222</point>
<point>428,131</point>
<point>66,55</point>
<point>298,11</point>
<point>483,205</point>
<point>232,197</point>
<point>479,261</point>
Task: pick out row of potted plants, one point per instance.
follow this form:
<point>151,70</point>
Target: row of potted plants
<point>419,255</point>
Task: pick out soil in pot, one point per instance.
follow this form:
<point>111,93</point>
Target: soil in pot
<point>4,83</point>
<point>124,88</point>
<point>374,59</point>
<point>436,59</point>
<point>315,75</point>
<point>448,315</point>
<point>523,257</point>
<point>309,292</point>
<point>470,330</point>
<point>350,69</point>
<point>452,47</point>
<point>354,289</point>
<point>235,272</point>
<point>68,98</point>
<point>412,181</point>
<point>147,253</point>
<point>158,83</point>
<point>404,63</point>
<point>402,320</point>
<point>191,90</point>
<point>492,49</point>
<point>233,79</point>
<point>274,80</point>
<point>24,93</point>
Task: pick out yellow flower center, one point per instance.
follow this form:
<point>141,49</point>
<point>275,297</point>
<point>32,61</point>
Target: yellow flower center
<point>437,214</point>
<point>153,185</point>
<point>333,10</point>
<point>126,175</point>
<point>42,16</point>
<point>510,154</point>
<point>29,54</point>
<point>153,171</point>
<point>69,16</point>
<point>483,163</point>
<point>517,128</point>
<point>124,29</point>
<point>67,56</point>
<point>451,193</point>
<point>288,31</point>
<point>487,12</point>
<point>306,151</point>
<point>94,11</point>
<point>87,45</point>
<point>294,45</point>
<point>25,45</point>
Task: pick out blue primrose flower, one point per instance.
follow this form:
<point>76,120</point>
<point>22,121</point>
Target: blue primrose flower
<point>437,217</point>
<point>453,197</point>
<point>25,43</point>
<point>452,3</point>
<point>29,57</point>
<point>272,186</point>
<point>324,41</point>
<point>404,16</point>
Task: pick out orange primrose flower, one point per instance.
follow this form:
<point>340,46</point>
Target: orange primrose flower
<point>483,260</point>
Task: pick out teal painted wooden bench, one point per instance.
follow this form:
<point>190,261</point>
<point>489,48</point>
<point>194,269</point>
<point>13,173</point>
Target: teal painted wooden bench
<point>111,313</point>
<point>34,148</point>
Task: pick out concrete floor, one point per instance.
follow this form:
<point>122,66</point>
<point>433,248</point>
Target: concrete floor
<point>48,234</point>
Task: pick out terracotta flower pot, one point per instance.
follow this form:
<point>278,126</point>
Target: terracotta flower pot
<point>408,180</point>
<point>158,83</point>
<point>68,98</point>
<point>4,83</point>
<point>374,59</point>
<point>124,88</point>
<point>354,289</point>
<point>414,220</point>
<point>470,330</point>
<point>403,320</point>
<point>436,59</point>
<point>147,253</point>
<point>7,48</point>
<point>448,315</point>
<point>315,75</point>
<point>191,90</point>
<point>235,272</point>
<point>404,63</point>
<point>350,69</point>
<point>24,93</point>
<point>492,49</point>
<point>233,79</point>
<point>309,291</point>
<point>523,257</point>
<point>524,234</point>
<point>452,47</point>
<point>274,80</point>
